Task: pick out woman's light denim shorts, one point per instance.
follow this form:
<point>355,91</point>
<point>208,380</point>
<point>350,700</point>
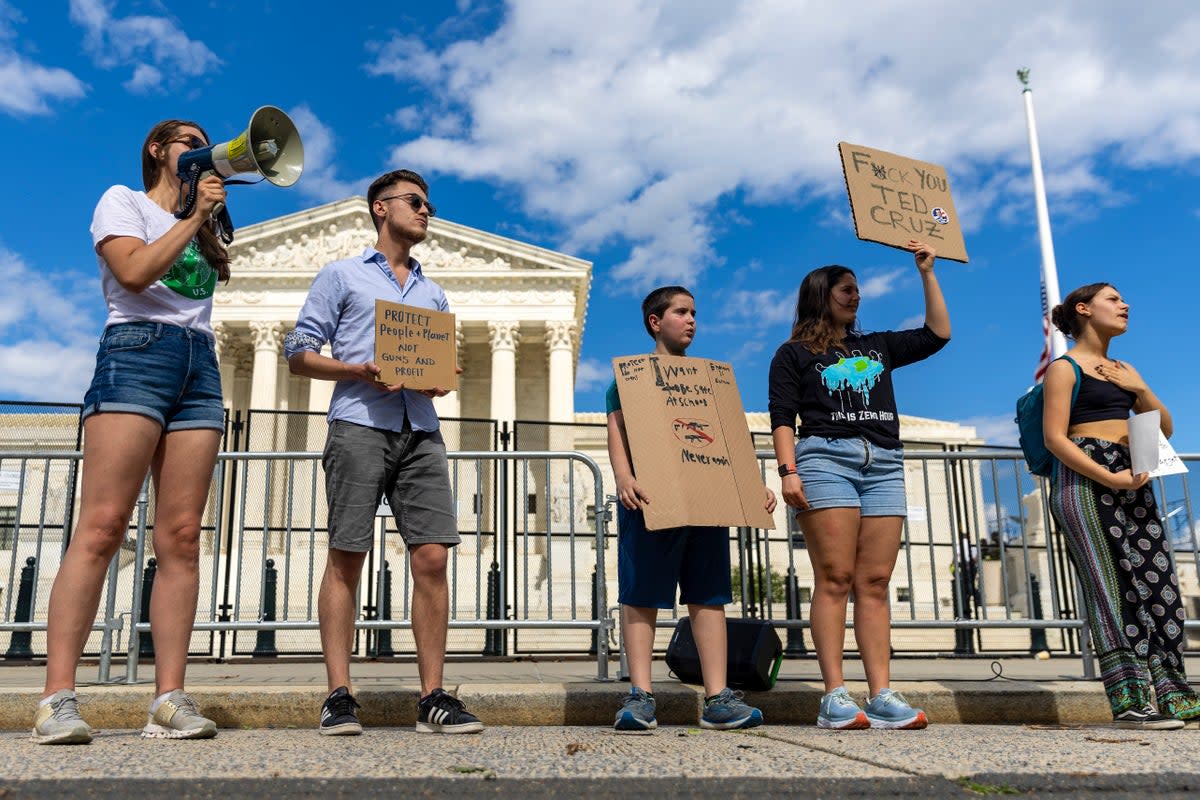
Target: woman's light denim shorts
<point>164,372</point>
<point>852,473</point>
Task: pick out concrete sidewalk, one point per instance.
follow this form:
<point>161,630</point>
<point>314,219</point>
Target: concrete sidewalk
<point>288,694</point>
<point>943,761</point>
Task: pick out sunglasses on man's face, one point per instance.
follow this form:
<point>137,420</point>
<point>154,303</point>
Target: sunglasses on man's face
<point>415,201</point>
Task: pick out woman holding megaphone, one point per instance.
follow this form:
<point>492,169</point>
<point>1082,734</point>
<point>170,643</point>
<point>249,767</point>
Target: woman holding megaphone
<point>154,404</point>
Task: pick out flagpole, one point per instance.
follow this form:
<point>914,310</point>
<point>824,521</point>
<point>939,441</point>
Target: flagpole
<point>1058,342</point>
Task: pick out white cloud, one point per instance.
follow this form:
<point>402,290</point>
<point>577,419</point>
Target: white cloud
<point>592,374</point>
<point>915,321</point>
<point>145,79</point>
<point>1000,429</point>
<point>746,308</point>
<point>51,372</point>
<point>25,86</point>
<point>633,136</point>
<point>880,285</point>
<point>49,347</point>
<point>321,181</point>
<point>155,46</point>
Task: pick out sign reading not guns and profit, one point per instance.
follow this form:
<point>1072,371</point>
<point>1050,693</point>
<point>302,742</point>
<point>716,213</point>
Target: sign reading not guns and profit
<point>415,346</point>
<point>894,199</point>
<point>691,448</point>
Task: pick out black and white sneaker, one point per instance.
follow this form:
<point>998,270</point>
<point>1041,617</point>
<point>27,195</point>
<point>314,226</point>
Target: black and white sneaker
<point>1146,719</point>
<point>338,717</point>
<point>439,712</point>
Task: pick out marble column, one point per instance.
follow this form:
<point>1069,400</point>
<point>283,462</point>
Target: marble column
<point>504,336</point>
<point>560,346</point>
<point>267,338</point>
<point>451,404</point>
<point>225,360</point>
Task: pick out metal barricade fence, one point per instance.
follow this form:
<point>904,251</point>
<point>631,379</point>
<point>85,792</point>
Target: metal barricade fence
<point>982,568</point>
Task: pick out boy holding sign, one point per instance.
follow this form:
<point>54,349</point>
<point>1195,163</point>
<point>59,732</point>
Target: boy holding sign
<point>383,439</point>
<point>652,563</point>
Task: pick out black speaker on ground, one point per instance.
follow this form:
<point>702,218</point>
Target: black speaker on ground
<point>755,654</point>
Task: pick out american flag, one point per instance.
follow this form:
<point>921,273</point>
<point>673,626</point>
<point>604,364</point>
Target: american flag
<point>1044,360</point>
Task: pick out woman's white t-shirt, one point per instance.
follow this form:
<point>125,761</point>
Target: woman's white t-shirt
<point>183,296</point>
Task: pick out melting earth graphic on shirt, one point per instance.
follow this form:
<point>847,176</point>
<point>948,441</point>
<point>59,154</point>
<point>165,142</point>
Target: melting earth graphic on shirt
<point>856,373</point>
<point>191,275</point>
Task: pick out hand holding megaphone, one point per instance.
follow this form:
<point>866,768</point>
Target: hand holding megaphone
<point>270,146</point>
<point>210,196</point>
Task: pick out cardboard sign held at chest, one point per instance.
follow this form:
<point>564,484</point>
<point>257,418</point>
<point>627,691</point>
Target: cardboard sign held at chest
<point>415,346</point>
<point>692,451</point>
<point>894,199</point>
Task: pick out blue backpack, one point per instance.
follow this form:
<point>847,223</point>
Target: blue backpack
<point>1029,426</point>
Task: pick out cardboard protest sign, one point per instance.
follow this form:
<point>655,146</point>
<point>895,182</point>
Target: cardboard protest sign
<point>691,448</point>
<point>415,346</point>
<point>894,199</point>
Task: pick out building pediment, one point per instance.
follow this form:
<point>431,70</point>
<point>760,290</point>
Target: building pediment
<point>307,240</point>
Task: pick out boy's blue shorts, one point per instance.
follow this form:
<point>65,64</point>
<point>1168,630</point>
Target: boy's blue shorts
<point>651,563</point>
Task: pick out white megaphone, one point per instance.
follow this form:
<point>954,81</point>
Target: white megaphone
<point>270,146</point>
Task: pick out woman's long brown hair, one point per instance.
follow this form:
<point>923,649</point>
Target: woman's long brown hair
<point>813,326</point>
<point>152,169</point>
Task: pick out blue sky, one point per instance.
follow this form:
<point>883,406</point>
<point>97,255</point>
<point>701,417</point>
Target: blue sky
<point>691,142</point>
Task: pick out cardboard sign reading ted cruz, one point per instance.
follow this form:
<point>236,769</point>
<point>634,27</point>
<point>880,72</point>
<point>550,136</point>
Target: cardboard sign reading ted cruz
<point>692,451</point>
<point>894,199</point>
<point>415,346</point>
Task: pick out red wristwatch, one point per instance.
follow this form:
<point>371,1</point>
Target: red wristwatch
<point>787,469</point>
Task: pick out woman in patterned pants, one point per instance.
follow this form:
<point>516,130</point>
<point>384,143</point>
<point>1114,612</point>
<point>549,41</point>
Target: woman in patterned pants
<point>1110,519</point>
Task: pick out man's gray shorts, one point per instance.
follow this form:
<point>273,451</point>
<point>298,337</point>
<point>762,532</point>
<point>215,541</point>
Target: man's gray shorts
<point>363,464</point>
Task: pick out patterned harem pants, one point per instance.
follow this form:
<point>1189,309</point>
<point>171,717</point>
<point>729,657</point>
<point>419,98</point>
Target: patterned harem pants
<point>1119,546</point>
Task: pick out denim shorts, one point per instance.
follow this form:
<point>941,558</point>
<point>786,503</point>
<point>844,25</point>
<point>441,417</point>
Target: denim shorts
<point>650,564</point>
<point>164,372</point>
<point>364,464</point>
<point>852,473</point>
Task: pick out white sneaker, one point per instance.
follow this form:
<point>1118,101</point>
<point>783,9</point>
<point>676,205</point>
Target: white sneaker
<point>178,718</point>
<point>58,722</point>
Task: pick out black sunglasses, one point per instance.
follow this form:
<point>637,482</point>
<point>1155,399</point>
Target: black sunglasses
<point>415,201</point>
<point>193,142</point>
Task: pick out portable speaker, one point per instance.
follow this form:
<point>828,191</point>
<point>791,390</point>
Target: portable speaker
<point>755,654</point>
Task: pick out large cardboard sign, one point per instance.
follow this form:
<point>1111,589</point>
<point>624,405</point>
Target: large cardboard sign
<point>415,346</point>
<point>894,199</point>
<point>691,448</point>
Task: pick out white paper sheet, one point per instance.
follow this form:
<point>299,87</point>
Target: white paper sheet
<point>1149,449</point>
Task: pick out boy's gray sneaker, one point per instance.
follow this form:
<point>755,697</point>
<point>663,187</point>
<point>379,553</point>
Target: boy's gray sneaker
<point>178,718</point>
<point>727,711</point>
<point>637,712</point>
<point>58,722</point>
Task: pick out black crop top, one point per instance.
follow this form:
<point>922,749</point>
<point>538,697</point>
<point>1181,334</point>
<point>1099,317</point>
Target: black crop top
<point>1099,400</point>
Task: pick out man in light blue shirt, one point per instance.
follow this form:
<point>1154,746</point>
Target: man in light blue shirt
<point>383,440</point>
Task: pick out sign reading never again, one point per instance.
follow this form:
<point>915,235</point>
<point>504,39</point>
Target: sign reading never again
<point>894,199</point>
<point>415,346</point>
<point>691,448</point>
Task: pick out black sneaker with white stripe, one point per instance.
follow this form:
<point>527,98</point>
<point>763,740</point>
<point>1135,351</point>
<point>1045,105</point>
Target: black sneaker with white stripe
<point>338,717</point>
<point>1146,719</point>
<point>439,712</point>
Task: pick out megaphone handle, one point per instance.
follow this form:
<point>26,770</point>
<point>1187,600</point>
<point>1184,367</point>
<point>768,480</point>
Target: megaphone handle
<point>224,223</point>
<point>189,204</point>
